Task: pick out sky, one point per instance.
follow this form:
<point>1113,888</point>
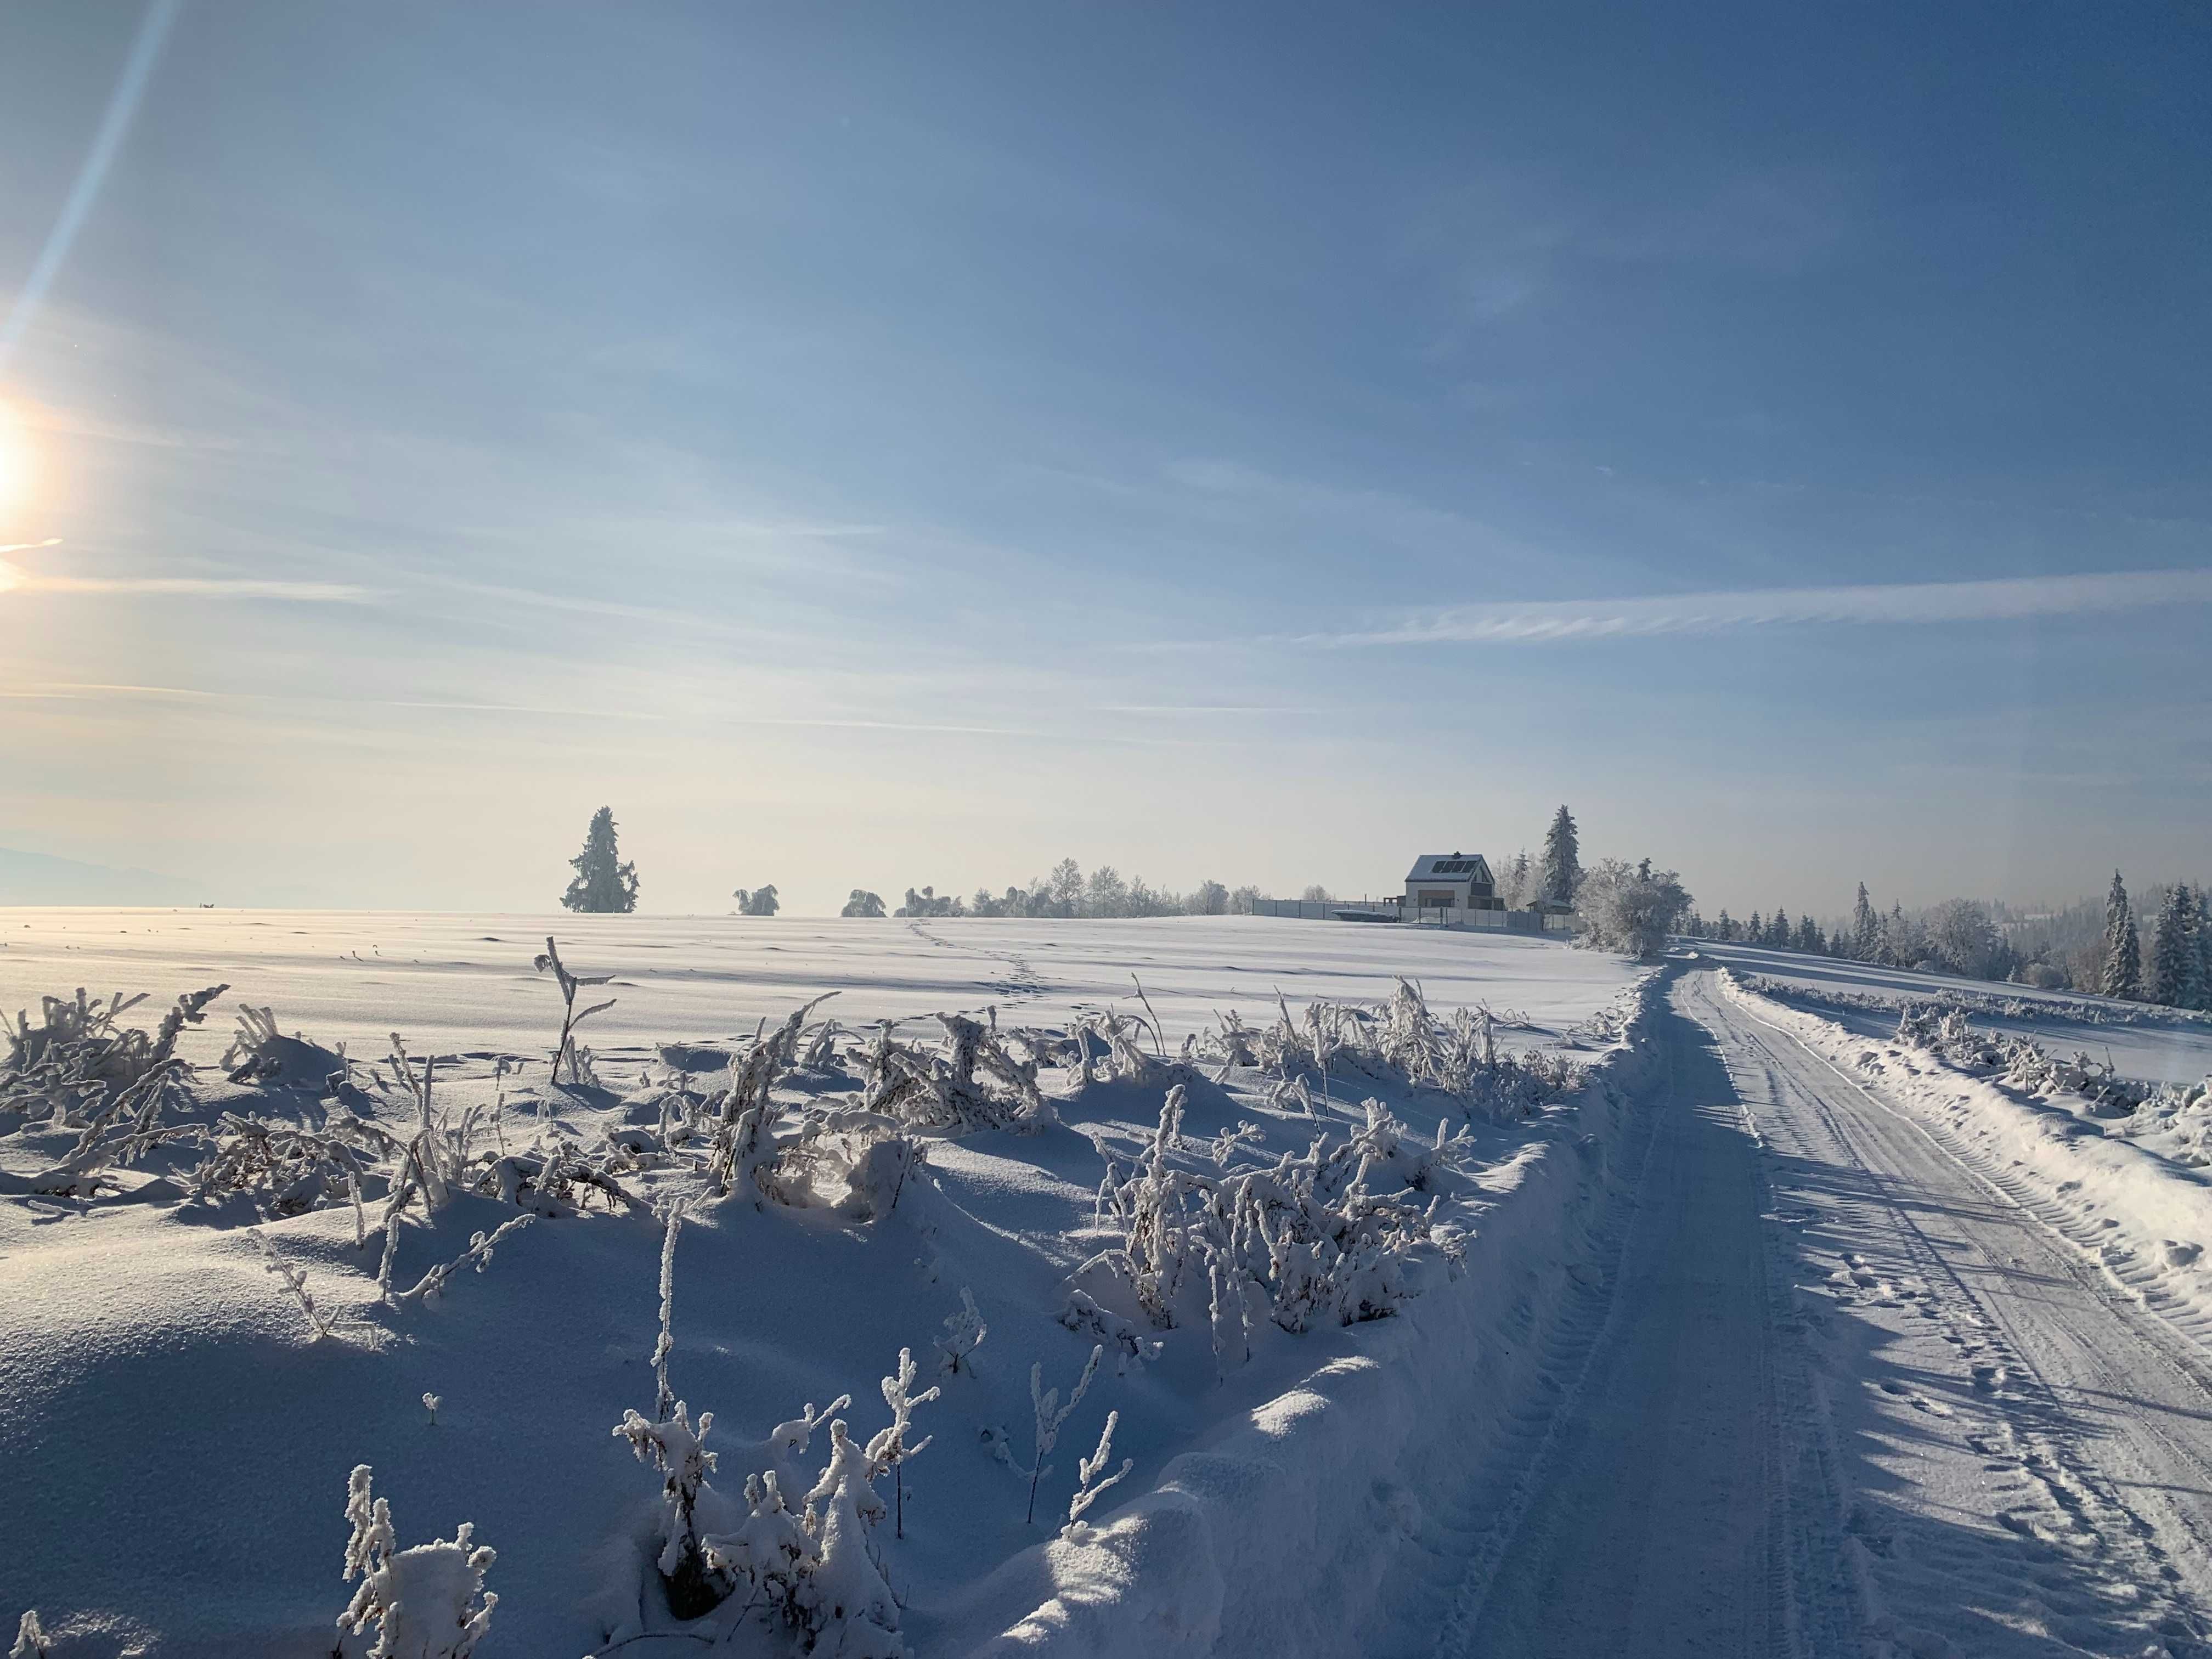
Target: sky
<point>887,446</point>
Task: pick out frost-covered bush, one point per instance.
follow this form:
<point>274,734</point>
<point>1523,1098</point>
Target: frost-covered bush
<point>427,1602</point>
<point>262,1055</point>
<point>964,1331</point>
<point>889,1450</point>
<point>565,1052</point>
<point>81,1070</point>
<point>1330,1234</point>
<point>679,1451</point>
<point>30,1637</point>
<point>2019,1062</point>
<point>943,1091</point>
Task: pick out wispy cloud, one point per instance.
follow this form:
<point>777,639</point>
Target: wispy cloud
<point>15,579</point>
<point>1903,603</point>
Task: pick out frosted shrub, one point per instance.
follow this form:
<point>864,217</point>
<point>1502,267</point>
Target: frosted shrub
<point>432,1285</point>
<point>745,1141</point>
<point>679,1451</point>
<point>564,1051</point>
<point>1331,1234</point>
<point>291,1171</point>
<point>82,1071</point>
<point>856,1162</point>
<point>262,1055</point>
<point>891,1449</point>
<point>944,1091</point>
<point>770,1559</point>
<point>964,1331</point>
<point>427,1602</point>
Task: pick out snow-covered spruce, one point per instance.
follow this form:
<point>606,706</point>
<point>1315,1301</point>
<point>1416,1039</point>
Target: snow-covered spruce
<point>427,1602</point>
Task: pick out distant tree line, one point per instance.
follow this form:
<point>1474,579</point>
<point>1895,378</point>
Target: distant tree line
<point>1066,892</point>
<point>2084,947</point>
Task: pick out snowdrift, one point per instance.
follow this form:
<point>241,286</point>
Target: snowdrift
<point>1313,1314</point>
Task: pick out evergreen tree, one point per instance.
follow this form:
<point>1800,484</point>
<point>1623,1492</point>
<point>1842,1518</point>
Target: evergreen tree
<point>1724,926</point>
<point>1754,930</point>
<point>603,884</point>
<point>1563,864</point>
<point>1809,937</point>
<point>1778,933</point>
<point>863,903</point>
<point>1866,928</point>
<point>2172,951</point>
<point>2200,934</point>
<point>2122,973</point>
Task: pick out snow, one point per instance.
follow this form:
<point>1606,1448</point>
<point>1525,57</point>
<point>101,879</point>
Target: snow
<point>2157,1045</point>
<point>177,1432</point>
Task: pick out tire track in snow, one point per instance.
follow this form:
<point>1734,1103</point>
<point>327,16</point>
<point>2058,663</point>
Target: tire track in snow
<point>2105,1570</point>
<point>1676,1501</point>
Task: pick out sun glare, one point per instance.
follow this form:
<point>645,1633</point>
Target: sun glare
<point>15,460</point>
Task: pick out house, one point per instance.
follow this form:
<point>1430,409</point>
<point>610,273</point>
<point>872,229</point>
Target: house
<point>1450,881</point>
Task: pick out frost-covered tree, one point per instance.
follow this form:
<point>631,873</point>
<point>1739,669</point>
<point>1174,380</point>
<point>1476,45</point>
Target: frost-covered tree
<point>1866,928</point>
<point>1563,862</point>
<point>2201,939</point>
<point>1516,882</point>
<point>1316,894</point>
<point>2172,950</point>
<point>2122,969</point>
<point>1964,938</point>
<point>1810,939</point>
<point>863,903</point>
<point>1630,907</point>
<point>756,900</point>
<point>1778,932</point>
<point>1244,901</point>
<point>1209,898</point>
<point>603,884</point>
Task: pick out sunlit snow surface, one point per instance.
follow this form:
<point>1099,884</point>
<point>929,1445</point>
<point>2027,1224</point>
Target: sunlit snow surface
<point>173,1447</point>
<point>465,983</point>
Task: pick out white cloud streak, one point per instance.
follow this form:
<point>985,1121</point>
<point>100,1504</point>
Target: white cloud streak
<point>15,580</point>
<point>1901,604</point>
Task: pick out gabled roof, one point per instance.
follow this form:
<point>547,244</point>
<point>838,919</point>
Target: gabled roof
<point>1449,866</point>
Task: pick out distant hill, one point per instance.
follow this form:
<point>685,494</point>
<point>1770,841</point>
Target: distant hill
<point>36,878</point>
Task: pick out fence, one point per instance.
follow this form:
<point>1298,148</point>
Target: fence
<point>1533,922</point>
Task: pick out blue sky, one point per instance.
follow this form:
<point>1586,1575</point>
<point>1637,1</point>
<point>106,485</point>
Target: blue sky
<point>899,445</point>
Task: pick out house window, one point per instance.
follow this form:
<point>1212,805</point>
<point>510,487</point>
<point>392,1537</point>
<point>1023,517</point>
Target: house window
<point>1432,900</point>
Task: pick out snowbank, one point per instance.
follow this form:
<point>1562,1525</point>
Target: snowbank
<point>1282,1528</point>
<point>2145,1219</point>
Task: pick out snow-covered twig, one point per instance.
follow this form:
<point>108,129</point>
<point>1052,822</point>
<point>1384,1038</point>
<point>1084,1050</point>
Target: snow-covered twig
<point>1089,1487</point>
<point>479,1252</point>
<point>1050,1414</point>
<point>292,1280</point>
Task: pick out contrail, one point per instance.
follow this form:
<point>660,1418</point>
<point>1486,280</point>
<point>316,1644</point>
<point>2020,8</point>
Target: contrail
<point>113,126</point>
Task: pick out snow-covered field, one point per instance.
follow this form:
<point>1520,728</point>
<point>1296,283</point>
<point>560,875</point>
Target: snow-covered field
<point>1313,1319</point>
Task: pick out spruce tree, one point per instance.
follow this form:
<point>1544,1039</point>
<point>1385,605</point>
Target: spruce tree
<point>603,884</point>
<point>1563,863</point>
<point>2200,938</point>
<point>2123,974</point>
<point>2172,951</point>
<point>1724,926</point>
<point>1754,930</point>
<point>1866,929</point>
<point>1778,933</point>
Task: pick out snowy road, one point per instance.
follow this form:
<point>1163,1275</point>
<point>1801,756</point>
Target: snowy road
<point>1844,1393</point>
